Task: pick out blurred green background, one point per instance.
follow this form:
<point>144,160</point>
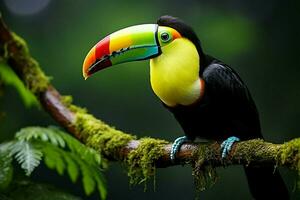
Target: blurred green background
<point>259,39</point>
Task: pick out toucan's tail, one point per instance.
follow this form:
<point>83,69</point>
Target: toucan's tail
<point>265,183</point>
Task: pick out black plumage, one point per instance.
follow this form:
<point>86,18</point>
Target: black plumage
<point>226,109</point>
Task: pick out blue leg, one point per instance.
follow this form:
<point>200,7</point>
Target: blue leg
<point>227,144</point>
<point>176,146</point>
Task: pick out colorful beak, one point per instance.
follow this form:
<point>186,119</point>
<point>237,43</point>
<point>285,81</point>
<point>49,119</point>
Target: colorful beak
<point>130,44</point>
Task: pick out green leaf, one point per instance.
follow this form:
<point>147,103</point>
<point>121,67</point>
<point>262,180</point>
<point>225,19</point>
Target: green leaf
<point>61,152</point>
<point>27,155</point>
<point>89,161</point>
<point>53,158</point>
<point>101,183</point>
<point>44,134</point>
<point>8,76</point>
<point>87,179</point>
<point>72,167</point>
<point>64,159</point>
<point>91,177</point>
<point>6,172</point>
<point>73,144</point>
<point>6,168</point>
<point>50,161</point>
<point>88,154</point>
<point>91,174</point>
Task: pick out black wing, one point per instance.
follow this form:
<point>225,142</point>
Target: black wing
<point>231,102</point>
<point>223,82</point>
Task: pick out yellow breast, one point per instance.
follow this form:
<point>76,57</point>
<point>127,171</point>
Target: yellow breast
<point>174,74</point>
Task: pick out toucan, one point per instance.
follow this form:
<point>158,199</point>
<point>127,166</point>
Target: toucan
<point>207,97</point>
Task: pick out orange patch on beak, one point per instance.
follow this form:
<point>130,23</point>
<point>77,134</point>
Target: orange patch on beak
<point>88,61</point>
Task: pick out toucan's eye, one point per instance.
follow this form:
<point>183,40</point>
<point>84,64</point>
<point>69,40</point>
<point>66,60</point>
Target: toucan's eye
<point>165,37</point>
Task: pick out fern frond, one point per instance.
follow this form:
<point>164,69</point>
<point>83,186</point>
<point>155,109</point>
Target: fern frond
<point>53,158</point>
<point>44,134</point>
<point>56,158</point>
<point>5,147</point>
<point>88,181</point>
<point>27,155</point>
<point>100,180</point>
<point>92,177</point>
<point>62,153</point>
<point>88,154</point>
<point>59,159</point>
<point>72,167</point>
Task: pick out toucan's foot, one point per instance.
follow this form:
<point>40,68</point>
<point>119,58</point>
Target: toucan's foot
<point>176,146</point>
<point>227,144</point>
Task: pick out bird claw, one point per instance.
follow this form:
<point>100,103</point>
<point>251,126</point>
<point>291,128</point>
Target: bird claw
<point>227,144</point>
<point>176,146</point>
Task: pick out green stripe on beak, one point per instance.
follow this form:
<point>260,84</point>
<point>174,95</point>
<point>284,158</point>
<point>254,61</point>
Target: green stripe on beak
<point>134,43</point>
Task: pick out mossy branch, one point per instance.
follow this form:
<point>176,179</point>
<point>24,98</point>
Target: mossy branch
<point>143,155</point>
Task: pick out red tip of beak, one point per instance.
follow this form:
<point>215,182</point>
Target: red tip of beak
<point>94,61</point>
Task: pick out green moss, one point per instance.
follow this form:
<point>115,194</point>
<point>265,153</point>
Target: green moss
<point>141,160</point>
<point>205,175</point>
<point>108,141</point>
<point>16,51</point>
<point>289,154</point>
<point>253,149</point>
<point>99,136</point>
<point>67,101</point>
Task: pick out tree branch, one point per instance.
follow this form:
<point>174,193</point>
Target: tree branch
<point>117,145</point>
